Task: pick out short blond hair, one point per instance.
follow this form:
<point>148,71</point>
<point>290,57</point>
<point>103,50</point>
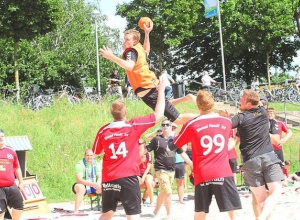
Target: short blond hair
<point>135,34</point>
<point>205,101</point>
<point>118,110</point>
<point>252,96</point>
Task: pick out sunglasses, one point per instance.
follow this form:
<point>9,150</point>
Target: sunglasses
<point>166,125</point>
<point>159,131</point>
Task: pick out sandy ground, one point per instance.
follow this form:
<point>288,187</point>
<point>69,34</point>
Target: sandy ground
<point>287,208</point>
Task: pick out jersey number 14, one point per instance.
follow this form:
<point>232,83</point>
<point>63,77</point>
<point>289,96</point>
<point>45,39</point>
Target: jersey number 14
<point>120,151</point>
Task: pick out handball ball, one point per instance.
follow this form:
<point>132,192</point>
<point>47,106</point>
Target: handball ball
<point>145,20</point>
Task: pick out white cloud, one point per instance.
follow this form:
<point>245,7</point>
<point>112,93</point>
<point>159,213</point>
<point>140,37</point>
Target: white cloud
<point>108,7</point>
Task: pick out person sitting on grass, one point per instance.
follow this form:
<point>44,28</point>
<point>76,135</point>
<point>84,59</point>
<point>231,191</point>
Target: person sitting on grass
<point>88,178</point>
<point>146,178</point>
<point>289,178</point>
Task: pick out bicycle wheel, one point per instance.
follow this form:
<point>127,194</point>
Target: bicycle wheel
<point>293,96</point>
<point>235,94</point>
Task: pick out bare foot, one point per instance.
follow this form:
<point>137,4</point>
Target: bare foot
<point>191,98</point>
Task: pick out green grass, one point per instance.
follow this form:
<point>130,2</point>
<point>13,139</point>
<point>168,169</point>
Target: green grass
<point>60,134</point>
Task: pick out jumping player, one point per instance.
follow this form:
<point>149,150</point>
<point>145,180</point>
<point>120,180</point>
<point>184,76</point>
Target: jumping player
<point>141,78</point>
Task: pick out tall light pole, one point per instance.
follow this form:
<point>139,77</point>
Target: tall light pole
<point>95,15</point>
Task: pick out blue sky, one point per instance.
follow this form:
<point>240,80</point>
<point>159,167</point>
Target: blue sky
<point>108,7</point>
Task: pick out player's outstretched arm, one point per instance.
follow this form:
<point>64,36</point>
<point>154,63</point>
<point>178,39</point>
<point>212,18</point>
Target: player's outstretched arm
<point>107,53</point>
<point>160,105</point>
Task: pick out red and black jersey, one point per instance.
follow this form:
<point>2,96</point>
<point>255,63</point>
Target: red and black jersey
<point>281,128</point>
<point>145,160</point>
<point>119,142</point>
<point>209,135</point>
<point>8,164</point>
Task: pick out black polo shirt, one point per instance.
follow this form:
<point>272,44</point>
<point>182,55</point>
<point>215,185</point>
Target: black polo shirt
<point>164,157</point>
<point>254,131</point>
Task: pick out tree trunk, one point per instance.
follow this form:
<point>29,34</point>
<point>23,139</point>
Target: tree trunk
<point>16,65</point>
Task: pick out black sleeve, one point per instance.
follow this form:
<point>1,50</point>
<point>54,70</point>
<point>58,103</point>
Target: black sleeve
<point>179,150</point>
<point>273,127</point>
<point>150,147</point>
<point>237,120</point>
<point>173,147</point>
<point>131,55</point>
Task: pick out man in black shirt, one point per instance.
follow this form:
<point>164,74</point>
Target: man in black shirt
<point>115,81</point>
<point>260,164</point>
<point>164,164</point>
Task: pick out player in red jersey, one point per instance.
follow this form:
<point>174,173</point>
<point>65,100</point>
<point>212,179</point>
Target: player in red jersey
<point>209,135</point>
<point>281,128</point>
<point>9,192</point>
<point>118,141</point>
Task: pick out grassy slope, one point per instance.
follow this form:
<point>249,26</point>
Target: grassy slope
<point>60,134</point>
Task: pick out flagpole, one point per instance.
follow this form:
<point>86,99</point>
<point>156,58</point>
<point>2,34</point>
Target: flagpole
<point>222,51</point>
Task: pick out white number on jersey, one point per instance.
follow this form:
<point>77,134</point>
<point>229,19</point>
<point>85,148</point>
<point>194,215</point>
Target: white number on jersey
<point>120,151</point>
<point>208,142</point>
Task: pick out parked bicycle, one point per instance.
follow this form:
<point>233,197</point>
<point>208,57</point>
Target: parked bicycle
<point>8,95</point>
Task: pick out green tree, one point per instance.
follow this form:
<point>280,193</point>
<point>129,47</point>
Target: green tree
<point>25,20</point>
<point>255,33</point>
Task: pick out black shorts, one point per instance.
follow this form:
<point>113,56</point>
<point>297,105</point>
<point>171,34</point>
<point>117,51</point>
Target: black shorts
<point>10,196</point>
<point>150,99</point>
<point>179,171</point>
<point>233,165</point>
<point>225,192</point>
<point>126,190</point>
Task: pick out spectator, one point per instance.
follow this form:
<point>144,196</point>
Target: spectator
<point>209,136</point>
<point>260,164</point>
<point>164,165</point>
<point>189,153</point>
<point>115,81</point>
<point>118,141</point>
<point>169,80</point>
<point>179,177</point>
<point>88,178</point>
<point>289,178</point>
<point>142,79</point>
<point>128,86</point>
<point>157,132</point>
<point>10,195</point>
<point>281,128</point>
<point>146,178</point>
<point>207,81</point>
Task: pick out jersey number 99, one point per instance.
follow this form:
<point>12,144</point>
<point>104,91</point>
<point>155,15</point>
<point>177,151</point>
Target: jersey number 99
<point>209,142</point>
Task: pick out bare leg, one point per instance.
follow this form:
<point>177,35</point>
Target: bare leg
<point>16,214</point>
<point>160,200</point>
<point>255,206</point>
<point>180,189</point>
<point>133,217</point>
<point>150,184</point>
<point>232,215</point>
<point>168,201</point>
<point>80,191</point>
<point>199,216</point>
<point>107,215</point>
<point>267,203</point>
<point>187,98</point>
<point>183,118</point>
